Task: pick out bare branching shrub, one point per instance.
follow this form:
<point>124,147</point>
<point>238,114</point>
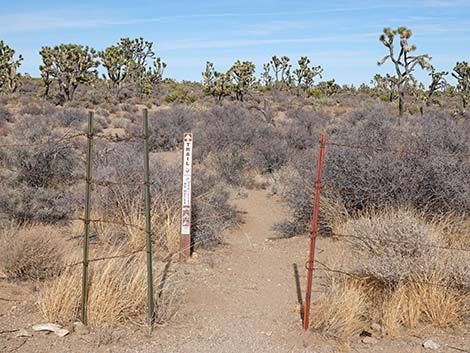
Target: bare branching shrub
<point>38,187</point>
<point>295,183</point>
<point>117,292</point>
<point>168,125</point>
<point>238,140</point>
<point>430,174</point>
<point>430,177</point>
<point>31,252</point>
<point>211,213</point>
<point>6,116</point>
<point>303,128</point>
<point>398,244</point>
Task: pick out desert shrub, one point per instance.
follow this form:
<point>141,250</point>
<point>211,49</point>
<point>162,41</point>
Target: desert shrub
<point>124,203</point>
<point>349,305</point>
<point>303,128</point>
<point>295,183</point>
<point>41,108</point>
<point>238,140</point>
<point>117,293</point>
<point>431,175</point>
<point>100,123</point>
<point>402,271</point>
<point>47,205</point>
<point>399,244</point>
<point>211,212</point>
<point>129,108</point>
<point>39,187</point>
<point>120,123</point>
<point>31,252</point>
<point>180,94</point>
<point>71,117</point>
<point>6,116</point>
<point>423,178</point>
<point>168,125</point>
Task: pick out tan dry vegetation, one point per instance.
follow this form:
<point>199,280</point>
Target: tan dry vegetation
<point>396,280</point>
<point>117,292</point>
<point>31,251</point>
<point>126,228</point>
<point>342,310</point>
<point>427,300</point>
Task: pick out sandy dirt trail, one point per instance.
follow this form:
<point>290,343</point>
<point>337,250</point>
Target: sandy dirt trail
<point>248,298</point>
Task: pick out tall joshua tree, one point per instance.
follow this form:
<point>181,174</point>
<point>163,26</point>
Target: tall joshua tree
<point>243,77</point>
<point>215,83</point>
<point>126,63</point>
<point>462,74</point>
<point>404,62</point>
<point>9,76</point>
<point>69,64</point>
<point>305,74</point>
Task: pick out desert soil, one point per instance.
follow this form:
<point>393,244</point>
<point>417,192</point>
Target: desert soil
<point>241,297</point>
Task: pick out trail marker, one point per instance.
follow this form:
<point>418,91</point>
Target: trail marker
<point>185,240</point>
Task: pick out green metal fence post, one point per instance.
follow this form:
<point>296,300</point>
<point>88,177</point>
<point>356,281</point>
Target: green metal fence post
<point>148,229</point>
<point>87,217</point>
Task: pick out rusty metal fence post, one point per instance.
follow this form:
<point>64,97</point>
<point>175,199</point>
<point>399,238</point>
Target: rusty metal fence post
<point>313,235</point>
<point>148,223</point>
<point>86,221</point>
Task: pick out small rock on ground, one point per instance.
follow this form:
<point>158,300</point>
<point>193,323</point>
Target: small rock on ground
<point>430,344</point>
<point>369,340</point>
<point>23,333</point>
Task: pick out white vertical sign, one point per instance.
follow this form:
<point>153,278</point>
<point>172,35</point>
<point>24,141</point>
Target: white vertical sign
<point>186,186</point>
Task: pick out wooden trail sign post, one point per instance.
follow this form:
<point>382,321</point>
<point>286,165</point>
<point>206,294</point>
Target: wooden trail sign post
<point>185,240</point>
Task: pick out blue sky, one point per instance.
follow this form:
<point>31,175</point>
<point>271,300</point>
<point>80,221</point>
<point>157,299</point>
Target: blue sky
<point>341,36</point>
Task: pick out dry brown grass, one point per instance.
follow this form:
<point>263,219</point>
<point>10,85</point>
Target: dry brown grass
<point>117,292</point>
<point>454,228</point>
<point>342,310</point>
<point>397,281</point>
<point>333,212</point>
<point>165,226</point>
<point>424,301</point>
<point>31,251</point>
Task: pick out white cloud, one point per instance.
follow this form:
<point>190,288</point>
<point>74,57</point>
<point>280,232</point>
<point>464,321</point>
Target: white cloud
<point>229,43</point>
<point>44,20</point>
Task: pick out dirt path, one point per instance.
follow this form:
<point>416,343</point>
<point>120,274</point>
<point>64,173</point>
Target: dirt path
<point>247,300</point>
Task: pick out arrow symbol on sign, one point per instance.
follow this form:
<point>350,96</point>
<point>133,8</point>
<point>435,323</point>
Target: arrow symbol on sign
<point>187,138</point>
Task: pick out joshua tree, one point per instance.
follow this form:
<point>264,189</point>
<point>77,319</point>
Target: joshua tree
<point>9,77</point>
<point>328,88</point>
<point>153,76</point>
<point>281,68</point>
<point>266,77</point>
<point>216,83</point>
<point>386,85</point>
<point>116,63</point>
<point>305,74</point>
<point>438,83</point>
<point>243,77</point>
<point>70,65</point>
<point>404,63</point>
<point>127,62</point>
<point>462,74</point>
